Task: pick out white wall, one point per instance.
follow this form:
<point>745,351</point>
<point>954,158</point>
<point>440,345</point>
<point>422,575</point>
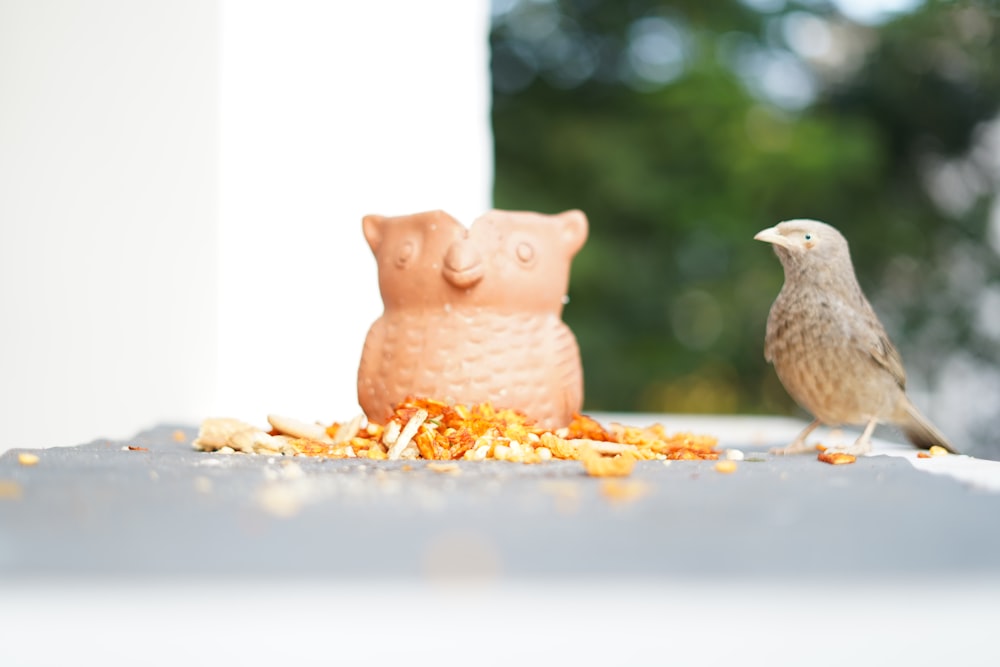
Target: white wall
<point>108,189</point>
<point>331,111</point>
<point>181,188</point>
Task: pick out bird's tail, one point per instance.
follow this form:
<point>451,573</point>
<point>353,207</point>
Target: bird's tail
<point>921,432</point>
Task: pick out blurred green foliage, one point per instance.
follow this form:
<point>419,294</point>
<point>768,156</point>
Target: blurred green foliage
<point>682,128</point>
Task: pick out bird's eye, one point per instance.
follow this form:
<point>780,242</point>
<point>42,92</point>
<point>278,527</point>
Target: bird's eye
<point>809,237</point>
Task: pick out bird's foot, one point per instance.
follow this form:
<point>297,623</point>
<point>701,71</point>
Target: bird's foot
<point>861,447</point>
<point>799,445</point>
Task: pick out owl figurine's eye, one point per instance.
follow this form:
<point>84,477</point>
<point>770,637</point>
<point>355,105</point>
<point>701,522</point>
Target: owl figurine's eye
<point>525,253</point>
<point>405,254</point>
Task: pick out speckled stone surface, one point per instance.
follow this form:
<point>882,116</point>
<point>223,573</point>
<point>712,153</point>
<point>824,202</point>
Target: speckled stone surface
<point>166,509</point>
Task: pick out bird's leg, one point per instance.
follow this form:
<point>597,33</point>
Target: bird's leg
<point>798,445</point>
<point>863,444</point>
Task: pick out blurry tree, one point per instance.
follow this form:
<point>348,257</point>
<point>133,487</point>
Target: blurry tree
<point>682,128</point>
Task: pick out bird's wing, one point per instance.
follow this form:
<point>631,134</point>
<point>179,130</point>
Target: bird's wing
<point>776,323</point>
<point>865,333</point>
<point>886,355</point>
<point>872,338</point>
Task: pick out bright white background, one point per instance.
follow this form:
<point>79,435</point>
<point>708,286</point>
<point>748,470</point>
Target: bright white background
<point>181,190</point>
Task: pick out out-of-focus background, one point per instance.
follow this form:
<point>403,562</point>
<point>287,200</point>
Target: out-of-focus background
<point>182,184</point>
<point>684,127</point>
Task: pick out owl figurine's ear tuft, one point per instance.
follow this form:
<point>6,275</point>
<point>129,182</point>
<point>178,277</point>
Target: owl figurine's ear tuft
<point>574,229</point>
<point>372,227</point>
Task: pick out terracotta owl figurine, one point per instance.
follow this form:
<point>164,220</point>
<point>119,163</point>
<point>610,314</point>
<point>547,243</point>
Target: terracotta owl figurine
<point>474,314</point>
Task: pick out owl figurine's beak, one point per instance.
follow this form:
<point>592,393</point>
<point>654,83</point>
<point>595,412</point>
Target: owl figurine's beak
<point>463,265</point>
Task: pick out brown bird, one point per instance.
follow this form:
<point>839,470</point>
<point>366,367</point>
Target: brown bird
<point>828,347</point>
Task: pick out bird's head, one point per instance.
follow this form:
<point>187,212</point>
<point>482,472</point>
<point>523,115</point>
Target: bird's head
<point>801,243</point>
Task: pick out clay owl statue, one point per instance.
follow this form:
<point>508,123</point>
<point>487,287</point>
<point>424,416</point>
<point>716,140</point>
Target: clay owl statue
<point>474,314</point>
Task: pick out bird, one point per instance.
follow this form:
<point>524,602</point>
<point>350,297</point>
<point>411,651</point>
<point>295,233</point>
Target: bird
<point>828,347</point>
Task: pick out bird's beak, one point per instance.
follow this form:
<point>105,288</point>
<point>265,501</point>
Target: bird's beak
<point>773,236</point>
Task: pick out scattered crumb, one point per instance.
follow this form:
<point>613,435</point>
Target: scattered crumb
<point>756,458</point>
<point>623,491</point>
<point>137,448</point>
<point>820,447</point>
<point>27,459</point>
<point>295,428</point>
<point>937,450</point>
<point>566,494</point>
<point>345,432</point>
<point>734,455</point>
<point>291,470</point>
<point>726,467</point>
<point>406,434</point>
<point>837,458</point>
<point>923,455</point>
<point>179,436</point>
<point>281,500</point>
<point>604,466</point>
<point>449,468</point>
<point>423,428</point>
<point>10,490</point>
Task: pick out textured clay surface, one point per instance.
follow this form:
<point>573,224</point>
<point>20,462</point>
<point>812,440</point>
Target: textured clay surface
<point>474,314</point>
